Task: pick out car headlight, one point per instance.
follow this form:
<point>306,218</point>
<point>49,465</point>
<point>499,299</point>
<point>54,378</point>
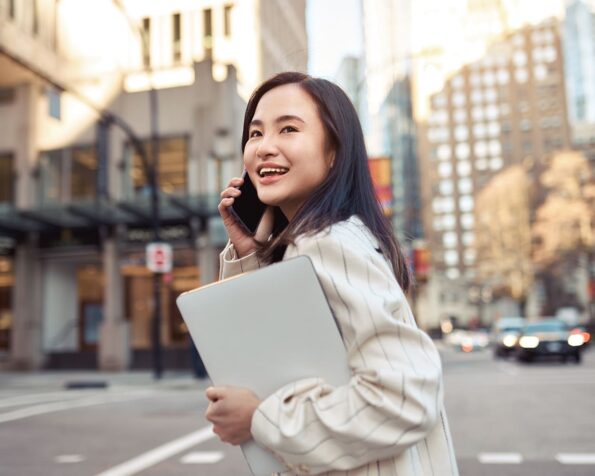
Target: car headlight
<point>529,342</point>
<point>509,340</point>
<point>576,340</point>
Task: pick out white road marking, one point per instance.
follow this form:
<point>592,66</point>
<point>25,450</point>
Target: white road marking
<point>509,369</point>
<point>151,458</point>
<point>66,459</point>
<point>70,404</point>
<point>576,458</point>
<point>202,457</point>
<point>500,458</point>
<point>36,398</point>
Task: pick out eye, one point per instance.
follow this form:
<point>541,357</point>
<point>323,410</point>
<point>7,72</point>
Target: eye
<point>289,129</point>
<point>254,133</point>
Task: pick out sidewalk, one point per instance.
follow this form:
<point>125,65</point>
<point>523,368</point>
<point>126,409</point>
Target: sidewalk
<point>62,380</point>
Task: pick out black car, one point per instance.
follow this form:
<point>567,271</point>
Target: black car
<point>550,337</point>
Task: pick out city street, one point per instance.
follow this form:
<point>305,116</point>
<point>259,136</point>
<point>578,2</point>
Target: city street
<point>506,419</point>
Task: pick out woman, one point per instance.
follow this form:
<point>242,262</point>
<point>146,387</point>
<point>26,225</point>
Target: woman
<point>304,151</point>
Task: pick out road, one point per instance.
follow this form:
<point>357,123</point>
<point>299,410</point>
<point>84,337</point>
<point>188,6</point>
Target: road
<point>506,419</point>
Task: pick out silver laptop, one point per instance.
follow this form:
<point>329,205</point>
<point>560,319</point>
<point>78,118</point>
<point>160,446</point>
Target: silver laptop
<point>262,330</point>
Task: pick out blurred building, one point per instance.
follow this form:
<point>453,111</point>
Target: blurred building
<point>75,212</point>
<point>508,108</point>
<point>391,131</point>
<point>579,63</point>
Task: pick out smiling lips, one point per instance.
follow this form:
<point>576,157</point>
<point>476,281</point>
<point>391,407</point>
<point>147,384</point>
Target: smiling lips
<point>271,171</point>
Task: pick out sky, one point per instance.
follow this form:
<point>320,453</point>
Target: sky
<point>334,31</point>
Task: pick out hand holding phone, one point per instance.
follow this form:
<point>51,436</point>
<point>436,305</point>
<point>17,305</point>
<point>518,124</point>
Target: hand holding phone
<point>240,223</point>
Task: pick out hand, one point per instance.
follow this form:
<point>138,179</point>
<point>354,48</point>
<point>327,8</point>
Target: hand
<point>242,241</point>
<point>230,412</point>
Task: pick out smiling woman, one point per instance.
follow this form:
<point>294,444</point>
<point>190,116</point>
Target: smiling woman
<point>304,151</point>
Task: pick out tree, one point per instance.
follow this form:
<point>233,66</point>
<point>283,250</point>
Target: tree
<point>503,234</point>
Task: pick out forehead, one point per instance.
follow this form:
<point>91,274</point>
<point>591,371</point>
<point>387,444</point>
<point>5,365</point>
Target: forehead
<point>289,99</point>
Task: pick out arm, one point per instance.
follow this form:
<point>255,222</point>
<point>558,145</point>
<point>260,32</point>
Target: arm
<point>395,395</point>
<point>230,264</point>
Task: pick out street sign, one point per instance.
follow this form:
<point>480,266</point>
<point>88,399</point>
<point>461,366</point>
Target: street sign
<point>159,257</point>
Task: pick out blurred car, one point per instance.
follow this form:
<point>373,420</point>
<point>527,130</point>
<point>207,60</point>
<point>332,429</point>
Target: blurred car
<point>505,333</point>
<point>548,337</point>
<point>583,332</point>
<point>467,341</point>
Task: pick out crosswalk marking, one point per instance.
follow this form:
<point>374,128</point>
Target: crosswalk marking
<point>161,453</point>
<point>70,404</point>
<point>500,458</point>
<point>576,458</point>
<point>202,457</point>
<point>68,459</point>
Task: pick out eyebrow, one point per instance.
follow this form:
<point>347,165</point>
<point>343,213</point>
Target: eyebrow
<point>284,118</point>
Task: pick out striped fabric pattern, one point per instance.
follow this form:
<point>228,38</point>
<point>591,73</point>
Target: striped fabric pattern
<point>389,419</point>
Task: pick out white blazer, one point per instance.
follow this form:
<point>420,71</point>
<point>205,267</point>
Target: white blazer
<point>389,419</point>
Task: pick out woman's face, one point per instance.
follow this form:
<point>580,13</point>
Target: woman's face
<point>286,153</point>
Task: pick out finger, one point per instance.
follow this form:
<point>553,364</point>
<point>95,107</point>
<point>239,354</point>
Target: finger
<point>235,182</point>
<point>230,192</point>
<point>215,393</point>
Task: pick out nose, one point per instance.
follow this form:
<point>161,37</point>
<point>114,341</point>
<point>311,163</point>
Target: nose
<point>267,147</point>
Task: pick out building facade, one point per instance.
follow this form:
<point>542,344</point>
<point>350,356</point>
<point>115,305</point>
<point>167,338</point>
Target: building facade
<point>508,108</point>
<point>81,114</point>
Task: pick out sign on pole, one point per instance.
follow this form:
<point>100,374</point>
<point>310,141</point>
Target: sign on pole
<point>159,257</point>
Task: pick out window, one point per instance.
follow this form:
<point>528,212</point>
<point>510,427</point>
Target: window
<point>479,130</point>
<point>464,168</point>
<point>52,187</point>
<point>173,162</point>
<point>446,187</point>
<point>490,95</point>
<point>452,273</point>
<point>83,178</point>
<point>461,133</point>
<point>449,222</point>
<point>477,113</point>
<point>443,152</point>
<point>465,186</point>
<point>476,96</point>
<point>466,203</point>
<point>540,72</point>
<point>475,79</point>
<point>449,239</point>
<point>54,103</point>
<point>469,256</point>
<point>176,38</point>
<point>462,151</point>
<point>493,129</point>
<point>503,76</point>
<point>439,101</point>
<point>521,75</point>
<point>481,164</point>
<point>460,115</point>
<point>227,20</point>
<point>549,54</point>
<point>489,78</point>
<point>519,58</point>
<point>496,163</point>
<point>207,30</point>
<point>468,238</point>
<point>451,257</point>
<point>458,99</point>
<point>146,42</point>
<point>445,169</point>
<point>467,221</point>
<point>481,149</point>
<point>6,178</point>
<point>457,81</point>
<point>495,147</point>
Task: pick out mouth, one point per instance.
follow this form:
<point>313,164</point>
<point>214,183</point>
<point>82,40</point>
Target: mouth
<point>272,171</point>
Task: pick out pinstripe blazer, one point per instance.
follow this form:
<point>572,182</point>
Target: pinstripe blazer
<point>389,419</point>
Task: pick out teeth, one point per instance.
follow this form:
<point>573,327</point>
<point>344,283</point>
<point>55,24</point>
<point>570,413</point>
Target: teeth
<point>270,171</point>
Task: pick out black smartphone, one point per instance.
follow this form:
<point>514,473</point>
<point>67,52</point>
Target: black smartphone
<point>247,208</point>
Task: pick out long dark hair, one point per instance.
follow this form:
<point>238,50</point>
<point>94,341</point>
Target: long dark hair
<point>348,188</point>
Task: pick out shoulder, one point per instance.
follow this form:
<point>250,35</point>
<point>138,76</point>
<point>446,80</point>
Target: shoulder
<point>348,236</point>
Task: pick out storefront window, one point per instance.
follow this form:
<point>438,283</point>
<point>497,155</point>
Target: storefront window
<point>90,285</point>
<point>139,297</point>
<point>6,178</point>
<point>6,285</point>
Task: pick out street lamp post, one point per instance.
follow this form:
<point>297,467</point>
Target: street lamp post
<point>223,150</point>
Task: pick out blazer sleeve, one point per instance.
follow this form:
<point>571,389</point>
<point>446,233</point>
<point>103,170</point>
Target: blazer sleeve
<point>394,397</point>
<point>230,265</point>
